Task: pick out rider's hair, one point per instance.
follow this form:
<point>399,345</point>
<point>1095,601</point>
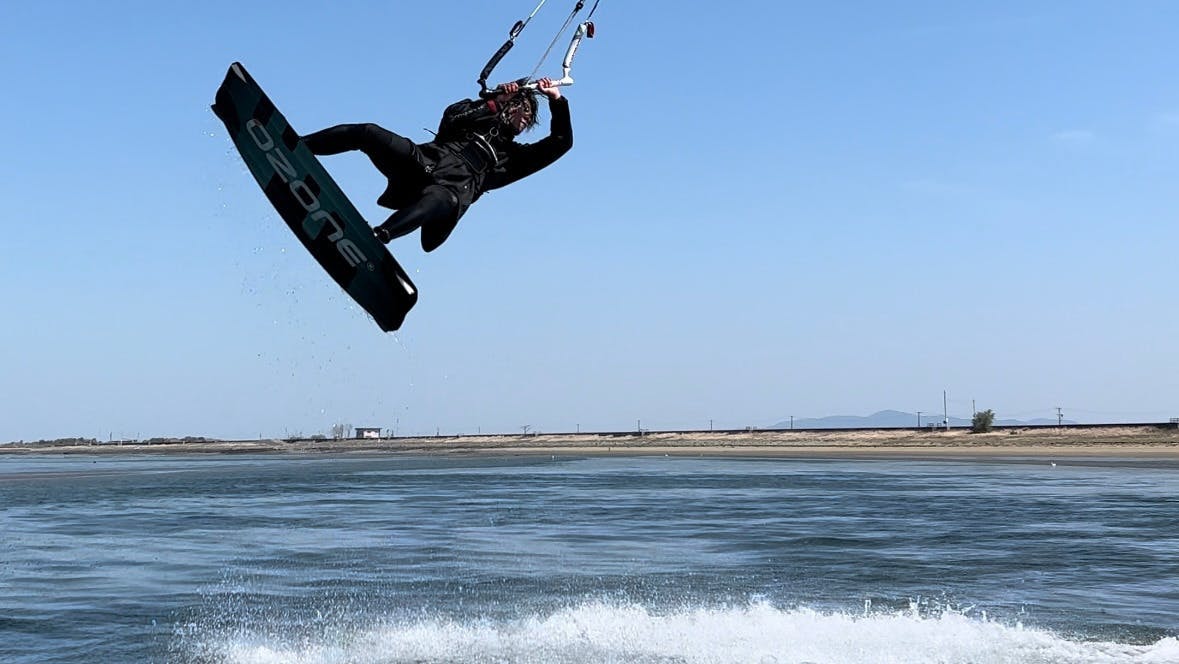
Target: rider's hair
<point>524,96</point>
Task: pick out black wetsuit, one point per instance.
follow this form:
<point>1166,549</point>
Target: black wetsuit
<point>431,185</point>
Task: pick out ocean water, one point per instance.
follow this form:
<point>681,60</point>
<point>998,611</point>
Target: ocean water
<point>318,559</point>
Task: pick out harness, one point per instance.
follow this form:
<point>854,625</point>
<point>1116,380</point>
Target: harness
<point>478,151</point>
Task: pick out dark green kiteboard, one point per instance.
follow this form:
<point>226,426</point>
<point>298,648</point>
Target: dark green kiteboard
<point>311,203</point>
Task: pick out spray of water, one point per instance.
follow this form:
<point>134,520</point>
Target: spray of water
<point>597,632</point>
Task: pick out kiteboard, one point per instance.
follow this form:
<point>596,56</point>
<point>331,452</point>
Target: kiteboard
<point>311,203</point>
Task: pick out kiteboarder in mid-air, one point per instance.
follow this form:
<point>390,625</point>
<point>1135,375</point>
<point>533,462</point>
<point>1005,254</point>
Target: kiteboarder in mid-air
<point>431,185</point>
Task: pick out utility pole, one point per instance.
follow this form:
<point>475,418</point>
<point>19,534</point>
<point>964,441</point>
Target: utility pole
<point>973,408</point>
<point>792,423</point>
<point>710,424</point>
<point>1059,417</point>
<point>945,411</point>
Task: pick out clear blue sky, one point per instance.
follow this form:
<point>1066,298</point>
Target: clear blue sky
<point>771,209</point>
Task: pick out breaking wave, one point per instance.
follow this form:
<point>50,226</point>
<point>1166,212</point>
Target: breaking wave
<point>599,632</point>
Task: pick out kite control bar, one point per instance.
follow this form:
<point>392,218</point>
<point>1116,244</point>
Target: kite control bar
<point>503,50</point>
<point>585,29</point>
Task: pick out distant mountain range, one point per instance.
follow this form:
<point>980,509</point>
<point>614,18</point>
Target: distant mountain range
<point>895,418</point>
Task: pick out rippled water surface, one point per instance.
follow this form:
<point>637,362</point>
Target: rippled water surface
<point>619,559</point>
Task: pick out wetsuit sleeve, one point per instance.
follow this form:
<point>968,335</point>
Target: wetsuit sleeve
<point>524,160</point>
<point>463,115</point>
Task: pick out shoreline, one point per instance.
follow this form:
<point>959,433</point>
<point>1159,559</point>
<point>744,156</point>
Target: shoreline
<point>1112,441</point>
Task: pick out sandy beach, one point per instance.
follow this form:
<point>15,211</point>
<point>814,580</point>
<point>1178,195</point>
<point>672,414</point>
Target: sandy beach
<point>1139,441</point>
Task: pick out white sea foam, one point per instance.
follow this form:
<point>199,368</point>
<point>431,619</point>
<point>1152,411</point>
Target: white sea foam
<point>750,634</point>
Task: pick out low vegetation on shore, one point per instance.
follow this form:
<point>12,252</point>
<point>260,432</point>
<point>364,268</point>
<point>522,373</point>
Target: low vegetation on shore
<point>1160,438</point>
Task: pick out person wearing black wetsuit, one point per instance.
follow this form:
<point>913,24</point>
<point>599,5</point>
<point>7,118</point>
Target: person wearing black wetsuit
<point>431,185</point>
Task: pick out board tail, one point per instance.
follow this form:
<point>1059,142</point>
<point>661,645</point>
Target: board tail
<point>311,203</point>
